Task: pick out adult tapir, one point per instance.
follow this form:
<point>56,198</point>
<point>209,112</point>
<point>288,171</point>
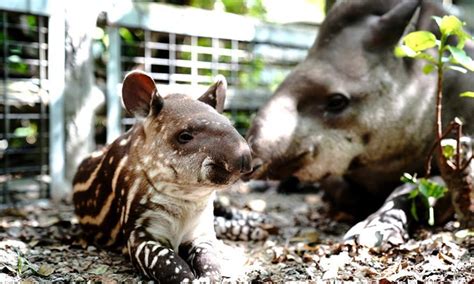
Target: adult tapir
<point>354,115</point>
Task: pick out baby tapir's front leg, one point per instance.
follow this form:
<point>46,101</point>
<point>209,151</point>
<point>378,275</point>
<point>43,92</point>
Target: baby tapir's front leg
<point>202,254</point>
<point>156,259</point>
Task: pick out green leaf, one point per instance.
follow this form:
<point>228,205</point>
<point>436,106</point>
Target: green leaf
<point>468,94</point>
<point>126,35</point>
<point>450,25</point>
<point>426,56</point>
<point>413,210</point>
<point>458,68</point>
<point>463,36</point>
<point>404,51</point>
<point>407,178</point>
<point>437,20</point>
<point>449,151</point>
<point>420,40</point>
<point>461,57</point>
<point>423,188</point>
<point>428,68</point>
<point>414,193</point>
<point>431,189</point>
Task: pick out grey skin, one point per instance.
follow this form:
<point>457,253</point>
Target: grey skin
<point>354,117</point>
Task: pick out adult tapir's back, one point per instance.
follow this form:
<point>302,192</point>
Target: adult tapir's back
<point>353,109</point>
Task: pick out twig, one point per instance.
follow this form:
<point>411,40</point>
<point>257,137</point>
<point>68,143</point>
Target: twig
<point>437,144</point>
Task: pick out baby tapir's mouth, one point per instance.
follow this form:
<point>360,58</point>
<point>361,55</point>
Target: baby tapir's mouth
<point>226,173</point>
<point>217,173</point>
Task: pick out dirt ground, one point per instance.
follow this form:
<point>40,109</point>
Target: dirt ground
<point>41,243</point>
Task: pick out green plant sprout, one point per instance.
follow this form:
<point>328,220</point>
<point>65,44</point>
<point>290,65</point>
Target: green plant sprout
<point>416,45</point>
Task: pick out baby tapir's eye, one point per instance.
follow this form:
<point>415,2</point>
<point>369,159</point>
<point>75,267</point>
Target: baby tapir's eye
<point>184,137</point>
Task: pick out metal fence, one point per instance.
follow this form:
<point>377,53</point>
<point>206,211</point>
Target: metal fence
<point>182,49</point>
<point>24,134</point>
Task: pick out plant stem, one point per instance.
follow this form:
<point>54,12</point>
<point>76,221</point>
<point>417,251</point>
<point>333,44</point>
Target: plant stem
<point>439,96</point>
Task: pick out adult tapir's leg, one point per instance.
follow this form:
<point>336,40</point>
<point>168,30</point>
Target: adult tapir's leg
<point>156,260</point>
<point>391,223</point>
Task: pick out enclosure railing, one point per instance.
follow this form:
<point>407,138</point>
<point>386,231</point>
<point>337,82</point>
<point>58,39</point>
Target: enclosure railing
<point>182,48</point>
<point>32,135</point>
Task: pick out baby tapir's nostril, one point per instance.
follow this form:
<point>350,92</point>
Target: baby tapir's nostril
<point>246,163</point>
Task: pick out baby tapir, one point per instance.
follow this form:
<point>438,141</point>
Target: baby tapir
<point>152,189</point>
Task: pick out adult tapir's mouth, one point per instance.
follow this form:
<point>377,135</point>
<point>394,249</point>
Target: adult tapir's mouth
<point>279,168</point>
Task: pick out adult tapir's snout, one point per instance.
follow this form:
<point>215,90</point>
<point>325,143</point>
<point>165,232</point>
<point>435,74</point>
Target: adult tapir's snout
<point>272,137</point>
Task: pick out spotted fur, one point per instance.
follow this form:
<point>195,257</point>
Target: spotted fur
<point>152,190</point>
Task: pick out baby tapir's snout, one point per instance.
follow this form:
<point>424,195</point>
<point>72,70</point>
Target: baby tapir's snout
<point>237,157</point>
<point>227,155</point>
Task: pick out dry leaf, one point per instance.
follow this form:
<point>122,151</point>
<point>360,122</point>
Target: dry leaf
<point>100,269</point>
<point>45,270</point>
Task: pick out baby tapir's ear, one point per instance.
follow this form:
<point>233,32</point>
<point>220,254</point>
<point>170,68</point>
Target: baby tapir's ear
<point>215,95</point>
<point>139,94</point>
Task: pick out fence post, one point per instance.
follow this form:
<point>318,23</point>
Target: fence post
<point>114,75</point>
<point>56,74</point>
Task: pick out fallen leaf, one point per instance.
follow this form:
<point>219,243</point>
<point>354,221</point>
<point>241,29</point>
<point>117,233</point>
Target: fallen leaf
<point>100,269</point>
<point>45,270</point>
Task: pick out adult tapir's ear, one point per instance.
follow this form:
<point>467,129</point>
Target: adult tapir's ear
<point>390,27</point>
<point>139,94</point>
<point>215,95</point>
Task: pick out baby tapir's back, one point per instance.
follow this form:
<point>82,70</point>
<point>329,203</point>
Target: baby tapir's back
<point>105,177</point>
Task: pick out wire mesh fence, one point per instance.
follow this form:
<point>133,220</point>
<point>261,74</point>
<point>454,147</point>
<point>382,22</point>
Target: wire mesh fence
<point>23,107</point>
<point>253,56</point>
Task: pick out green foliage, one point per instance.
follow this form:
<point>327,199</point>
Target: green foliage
<point>449,149</point>
<point>250,78</point>
<point>467,94</point>
<point>427,191</point>
<point>254,8</point>
<point>417,45</point>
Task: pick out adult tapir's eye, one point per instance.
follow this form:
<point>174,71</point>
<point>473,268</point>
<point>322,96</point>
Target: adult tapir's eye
<point>184,137</point>
<point>337,102</point>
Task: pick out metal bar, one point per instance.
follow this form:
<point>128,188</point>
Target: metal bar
<point>172,57</point>
<point>43,129</point>
<point>194,59</point>
<point>234,80</point>
<point>114,74</point>
<point>27,6</point>
<point>56,74</point>
<point>6,122</point>
<point>22,169</point>
<point>215,56</point>
<point>178,62</point>
<point>17,151</point>
<point>11,116</point>
<point>147,51</point>
<point>13,136</point>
